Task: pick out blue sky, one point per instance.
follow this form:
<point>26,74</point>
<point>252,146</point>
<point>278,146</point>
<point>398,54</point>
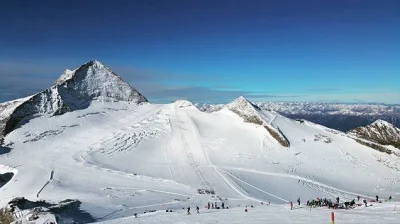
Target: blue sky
<point>209,51</point>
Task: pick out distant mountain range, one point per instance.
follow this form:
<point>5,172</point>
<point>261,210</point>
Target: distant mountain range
<point>339,116</point>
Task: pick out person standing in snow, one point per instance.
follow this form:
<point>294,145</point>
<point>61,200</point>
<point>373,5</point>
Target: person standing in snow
<point>188,210</point>
<point>365,202</point>
<point>291,205</point>
<point>390,197</point>
<point>208,205</point>
<point>377,198</point>
<point>197,208</point>
<point>358,198</point>
<point>337,200</point>
<point>223,205</point>
<point>298,201</point>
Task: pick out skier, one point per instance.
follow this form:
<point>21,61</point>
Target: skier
<point>298,201</point>
<point>215,205</point>
<point>337,200</point>
<point>208,205</point>
<point>135,215</point>
<point>223,205</point>
<point>197,208</point>
<point>377,198</point>
<point>358,198</point>
<point>390,197</point>
<point>365,202</point>
<point>291,205</point>
<point>212,205</point>
<point>188,210</point>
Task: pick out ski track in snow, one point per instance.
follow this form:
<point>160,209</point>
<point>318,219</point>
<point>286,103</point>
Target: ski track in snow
<point>189,154</point>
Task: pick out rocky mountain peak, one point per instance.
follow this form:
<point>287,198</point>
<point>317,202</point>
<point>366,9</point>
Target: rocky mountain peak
<point>380,131</point>
<point>73,90</point>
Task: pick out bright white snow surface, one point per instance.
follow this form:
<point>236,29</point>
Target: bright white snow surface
<point>120,159</point>
<point>279,214</point>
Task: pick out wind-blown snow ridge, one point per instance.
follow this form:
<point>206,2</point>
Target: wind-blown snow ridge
<point>74,90</point>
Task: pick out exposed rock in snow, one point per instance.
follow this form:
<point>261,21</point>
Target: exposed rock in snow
<point>67,211</point>
<point>380,132</point>
<point>253,114</point>
<point>74,90</point>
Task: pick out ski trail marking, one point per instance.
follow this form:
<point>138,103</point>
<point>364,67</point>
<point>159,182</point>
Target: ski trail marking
<point>272,195</point>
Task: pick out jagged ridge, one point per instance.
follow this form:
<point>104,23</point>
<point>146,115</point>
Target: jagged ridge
<point>380,132</point>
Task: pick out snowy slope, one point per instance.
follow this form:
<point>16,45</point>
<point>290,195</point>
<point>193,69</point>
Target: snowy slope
<point>72,91</point>
<point>119,159</point>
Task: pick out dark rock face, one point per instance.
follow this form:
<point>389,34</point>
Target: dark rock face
<point>4,178</point>
<point>67,211</point>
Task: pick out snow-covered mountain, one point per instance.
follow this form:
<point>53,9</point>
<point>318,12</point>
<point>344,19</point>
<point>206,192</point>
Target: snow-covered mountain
<point>253,114</point>
<point>339,116</point>
<point>114,157</point>
<point>73,90</point>
<point>381,132</point>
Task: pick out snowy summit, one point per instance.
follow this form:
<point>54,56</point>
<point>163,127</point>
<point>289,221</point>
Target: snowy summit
<point>73,90</point>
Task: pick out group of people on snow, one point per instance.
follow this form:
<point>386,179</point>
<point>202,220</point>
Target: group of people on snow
<point>210,205</point>
<point>319,202</point>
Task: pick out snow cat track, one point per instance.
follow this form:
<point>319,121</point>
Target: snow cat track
<point>205,185</point>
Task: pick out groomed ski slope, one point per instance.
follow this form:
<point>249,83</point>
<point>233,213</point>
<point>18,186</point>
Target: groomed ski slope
<point>120,159</point>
